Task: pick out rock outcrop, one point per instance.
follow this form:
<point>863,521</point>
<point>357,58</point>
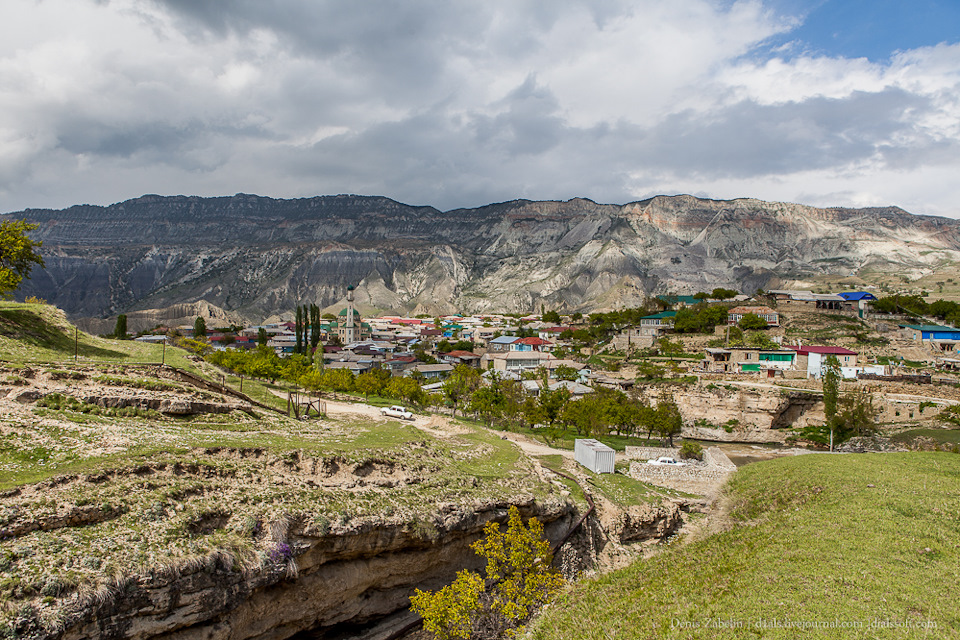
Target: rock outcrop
<point>320,579</point>
<point>252,256</point>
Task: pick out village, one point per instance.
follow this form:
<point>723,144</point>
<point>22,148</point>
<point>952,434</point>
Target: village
<point>733,368</point>
<point>429,348</point>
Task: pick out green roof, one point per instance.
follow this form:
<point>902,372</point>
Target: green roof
<point>679,299</point>
<point>928,327</point>
<point>660,316</point>
<point>343,312</point>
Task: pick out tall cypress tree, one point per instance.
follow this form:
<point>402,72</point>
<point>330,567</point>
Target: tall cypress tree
<point>314,325</point>
<point>298,330</point>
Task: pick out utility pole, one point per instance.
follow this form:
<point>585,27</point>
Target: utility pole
<point>163,353</point>
<point>76,344</point>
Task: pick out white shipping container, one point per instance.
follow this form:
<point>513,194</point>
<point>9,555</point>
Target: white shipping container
<point>594,455</point>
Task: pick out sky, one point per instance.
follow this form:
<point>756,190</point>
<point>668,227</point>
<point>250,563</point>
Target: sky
<point>455,103</point>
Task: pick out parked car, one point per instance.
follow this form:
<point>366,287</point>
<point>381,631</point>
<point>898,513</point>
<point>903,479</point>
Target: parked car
<point>667,462</point>
<point>396,411</point>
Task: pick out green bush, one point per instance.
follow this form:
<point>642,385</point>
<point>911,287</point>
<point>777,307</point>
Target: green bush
<point>691,450</point>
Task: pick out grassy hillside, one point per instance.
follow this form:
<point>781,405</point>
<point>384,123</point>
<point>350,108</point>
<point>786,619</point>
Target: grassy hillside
<point>864,546</point>
<point>32,334</point>
<point>40,333</point>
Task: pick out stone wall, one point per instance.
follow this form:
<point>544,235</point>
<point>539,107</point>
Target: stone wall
<point>701,478</point>
<point>713,456</point>
<point>650,453</point>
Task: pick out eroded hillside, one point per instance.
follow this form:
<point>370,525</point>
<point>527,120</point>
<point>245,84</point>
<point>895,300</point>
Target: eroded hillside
<point>255,255</point>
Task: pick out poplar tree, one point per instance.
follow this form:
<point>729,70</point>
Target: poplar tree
<point>298,330</point>
<point>120,330</point>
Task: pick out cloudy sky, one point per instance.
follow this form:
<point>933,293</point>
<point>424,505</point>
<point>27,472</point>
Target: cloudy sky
<point>460,103</point>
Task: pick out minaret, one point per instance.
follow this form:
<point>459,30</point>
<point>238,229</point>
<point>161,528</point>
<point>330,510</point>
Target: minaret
<point>350,334</point>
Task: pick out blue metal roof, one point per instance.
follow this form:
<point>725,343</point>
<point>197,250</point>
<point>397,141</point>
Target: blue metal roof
<point>855,296</point>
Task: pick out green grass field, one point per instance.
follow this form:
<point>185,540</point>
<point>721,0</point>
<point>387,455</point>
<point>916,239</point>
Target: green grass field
<point>864,546</point>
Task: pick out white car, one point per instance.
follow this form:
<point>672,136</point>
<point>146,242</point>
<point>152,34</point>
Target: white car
<point>667,462</point>
<point>396,411</point>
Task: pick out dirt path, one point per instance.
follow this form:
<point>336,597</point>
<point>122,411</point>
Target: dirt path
<point>439,425</point>
<point>533,448</point>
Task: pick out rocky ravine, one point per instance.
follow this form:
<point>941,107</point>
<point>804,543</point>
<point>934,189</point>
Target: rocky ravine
<point>196,515</point>
<point>255,255</point>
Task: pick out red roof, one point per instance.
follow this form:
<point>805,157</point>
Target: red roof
<point>826,351</point>
<point>535,342</point>
<point>457,353</point>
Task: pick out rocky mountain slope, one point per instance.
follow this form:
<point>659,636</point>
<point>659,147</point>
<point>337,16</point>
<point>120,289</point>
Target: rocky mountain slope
<point>255,256</point>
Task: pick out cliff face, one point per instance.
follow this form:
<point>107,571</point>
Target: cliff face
<point>256,255</point>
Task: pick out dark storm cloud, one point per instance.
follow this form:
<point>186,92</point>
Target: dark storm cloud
<point>450,103</point>
<point>748,139</point>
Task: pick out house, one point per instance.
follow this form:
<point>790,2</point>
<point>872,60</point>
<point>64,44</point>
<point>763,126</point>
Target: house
<point>736,314</point>
<point>355,367</point>
<point>657,324</point>
<point>552,333</point>
<point>858,301</point>
<point>938,336</point>
<point>460,357</point>
<point>748,360</point>
<point>531,344</point>
<point>399,363</point>
<point>801,300</point>
<point>516,361</point>
<point>576,389</point>
<point>430,371</point>
<point>814,359</point>
<point>501,344</point>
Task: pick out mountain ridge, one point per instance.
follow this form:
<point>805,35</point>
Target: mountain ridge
<point>255,255</point>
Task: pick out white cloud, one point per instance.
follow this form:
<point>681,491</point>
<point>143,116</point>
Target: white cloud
<point>459,104</point>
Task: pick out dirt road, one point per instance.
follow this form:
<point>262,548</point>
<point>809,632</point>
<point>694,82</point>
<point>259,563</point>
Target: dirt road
<point>440,425</point>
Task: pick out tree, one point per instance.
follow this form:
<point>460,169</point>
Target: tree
<point>518,580</point>
<point>723,294</point>
<point>463,381</point>
<point>18,254</point>
<point>857,415</point>
<point>831,387</point>
<point>667,421</point>
<point>566,372</point>
<point>262,337</point>
<point>199,328</point>
<point>752,322</point>
<point>314,326</point>
<point>120,330</point>
<point>298,330</point>
<point>551,316</point>
<point>669,347</point>
<point>337,380</point>
<point>368,384</point>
